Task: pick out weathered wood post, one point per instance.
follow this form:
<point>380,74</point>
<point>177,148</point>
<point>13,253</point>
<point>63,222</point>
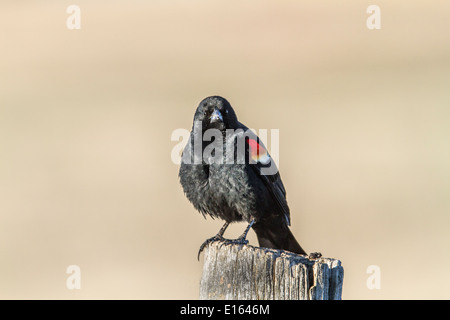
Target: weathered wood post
<point>251,273</point>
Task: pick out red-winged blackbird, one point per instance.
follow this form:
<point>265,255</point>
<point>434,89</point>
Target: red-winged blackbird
<point>227,173</point>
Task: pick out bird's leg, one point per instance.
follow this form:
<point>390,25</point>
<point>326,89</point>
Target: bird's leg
<point>217,237</point>
<point>244,235</point>
<point>222,230</point>
<point>242,238</point>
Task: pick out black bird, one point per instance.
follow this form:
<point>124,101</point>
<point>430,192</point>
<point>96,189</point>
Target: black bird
<point>227,173</point>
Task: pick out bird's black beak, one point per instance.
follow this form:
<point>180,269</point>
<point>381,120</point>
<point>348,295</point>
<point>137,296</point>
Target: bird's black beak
<point>215,116</point>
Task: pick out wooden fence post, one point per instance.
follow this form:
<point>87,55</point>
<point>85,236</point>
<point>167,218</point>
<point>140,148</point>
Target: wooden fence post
<point>234,272</point>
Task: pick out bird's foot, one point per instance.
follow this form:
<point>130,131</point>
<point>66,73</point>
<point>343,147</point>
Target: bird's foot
<point>224,242</point>
<point>242,238</point>
<point>239,241</point>
<point>217,237</point>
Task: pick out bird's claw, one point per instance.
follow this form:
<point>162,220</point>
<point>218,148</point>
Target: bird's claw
<point>208,241</point>
<point>224,242</point>
<point>240,241</point>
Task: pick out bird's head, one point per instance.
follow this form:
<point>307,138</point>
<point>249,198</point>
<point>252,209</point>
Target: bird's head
<point>216,113</point>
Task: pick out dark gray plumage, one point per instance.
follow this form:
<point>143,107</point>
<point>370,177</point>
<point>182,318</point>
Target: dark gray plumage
<point>231,185</point>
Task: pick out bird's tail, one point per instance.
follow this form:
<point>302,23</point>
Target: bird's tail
<point>275,233</point>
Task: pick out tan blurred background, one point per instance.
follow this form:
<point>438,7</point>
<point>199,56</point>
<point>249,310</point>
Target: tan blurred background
<point>86,116</point>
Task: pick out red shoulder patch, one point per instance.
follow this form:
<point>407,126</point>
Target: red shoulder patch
<point>257,152</point>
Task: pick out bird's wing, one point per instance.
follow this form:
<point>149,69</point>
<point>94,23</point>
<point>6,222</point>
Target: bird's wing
<point>260,161</point>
